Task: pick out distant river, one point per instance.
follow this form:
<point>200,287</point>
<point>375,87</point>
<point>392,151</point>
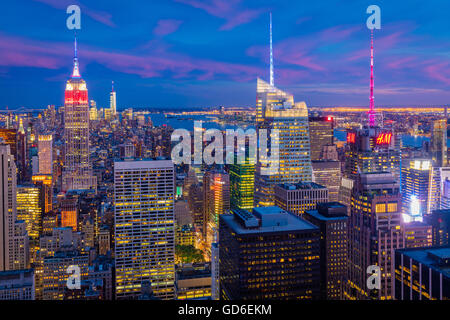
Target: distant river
<point>187,122</point>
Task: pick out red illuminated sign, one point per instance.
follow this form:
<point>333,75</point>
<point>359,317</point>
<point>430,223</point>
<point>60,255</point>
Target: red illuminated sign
<point>384,138</point>
<point>351,137</point>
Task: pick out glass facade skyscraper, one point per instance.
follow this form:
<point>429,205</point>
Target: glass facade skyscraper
<point>286,123</point>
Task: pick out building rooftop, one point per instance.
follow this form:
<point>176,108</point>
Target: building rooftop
<point>329,211</point>
<point>269,220</point>
<point>437,258</point>
<point>301,186</point>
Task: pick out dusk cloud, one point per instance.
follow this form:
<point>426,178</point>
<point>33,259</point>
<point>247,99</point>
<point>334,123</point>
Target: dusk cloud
<point>165,27</point>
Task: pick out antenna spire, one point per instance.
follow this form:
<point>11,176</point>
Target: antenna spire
<point>76,71</point>
<point>271,53</point>
<point>112,90</point>
<point>371,101</point>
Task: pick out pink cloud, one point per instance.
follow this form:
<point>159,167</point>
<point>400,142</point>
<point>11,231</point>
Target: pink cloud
<point>15,52</point>
<point>230,10</point>
<point>99,16</point>
<point>165,27</point>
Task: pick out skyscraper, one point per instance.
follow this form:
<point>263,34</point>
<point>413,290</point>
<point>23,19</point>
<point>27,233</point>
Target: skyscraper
<point>217,200</point>
<point>374,234</point>
<point>328,174</point>
<point>332,220</point>
<point>45,147</point>
<point>112,101</point>
<point>30,208</point>
<point>371,150</point>
<point>268,254</point>
<point>77,173</point>
<point>287,125</point>
<point>242,184</point>
<point>419,183</point>
<point>439,143</point>
<point>144,193</point>
<point>321,134</point>
<point>14,251</point>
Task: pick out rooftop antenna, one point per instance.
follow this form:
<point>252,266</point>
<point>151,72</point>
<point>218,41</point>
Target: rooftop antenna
<point>372,101</point>
<point>271,53</point>
<point>76,71</point>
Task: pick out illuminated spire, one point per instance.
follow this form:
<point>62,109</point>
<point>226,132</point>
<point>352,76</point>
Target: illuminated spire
<point>372,102</point>
<point>76,71</point>
<point>271,53</point>
<point>112,89</point>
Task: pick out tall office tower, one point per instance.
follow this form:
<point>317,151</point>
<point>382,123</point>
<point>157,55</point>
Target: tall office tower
<point>69,213</point>
<point>374,233</point>
<point>294,162</point>
<point>439,143</point>
<point>13,236</point>
<point>195,203</point>
<point>45,182</point>
<point>422,273</point>
<point>17,285</point>
<point>287,268</point>
<point>420,188</point>
<point>77,173</point>
<point>242,184</point>
<point>217,201</point>
<point>440,224</point>
<point>215,275</point>
<point>144,193</point>
<point>45,147</point>
<point>371,150</point>
<point>55,273</point>
<point>30,208</point>
<point>299,197</point>
<point>321,134</point>
<point>328,174</point>
<point>332,220</point>
<point>112,101</point>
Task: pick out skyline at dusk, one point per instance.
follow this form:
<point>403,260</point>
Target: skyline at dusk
<point>160,55</point>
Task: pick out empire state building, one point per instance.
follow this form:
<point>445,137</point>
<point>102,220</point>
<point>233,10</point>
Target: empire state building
<point>77,174</point>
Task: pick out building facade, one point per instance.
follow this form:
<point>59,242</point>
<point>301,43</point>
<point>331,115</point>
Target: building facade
<point>268,254</point>
<point>144,193</point>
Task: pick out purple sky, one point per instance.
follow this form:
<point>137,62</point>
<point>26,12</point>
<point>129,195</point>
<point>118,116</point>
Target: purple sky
<point>187,53</point>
